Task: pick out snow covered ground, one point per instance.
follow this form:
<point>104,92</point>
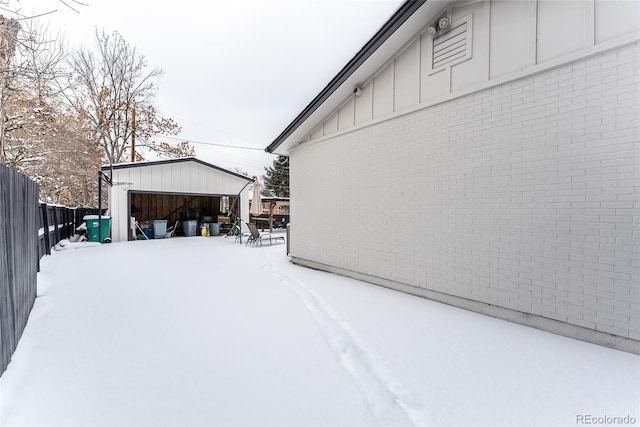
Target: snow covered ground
<point>202,331</point>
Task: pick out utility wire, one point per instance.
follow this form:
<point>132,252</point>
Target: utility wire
<point>211,143</point>
<point>225,158</point>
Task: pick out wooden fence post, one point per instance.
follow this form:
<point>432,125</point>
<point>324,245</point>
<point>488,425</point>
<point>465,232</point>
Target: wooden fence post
<point>45,225</point>
<point>56,229</point>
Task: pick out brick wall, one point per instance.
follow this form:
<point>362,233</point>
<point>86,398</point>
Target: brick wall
<point>524,195</point>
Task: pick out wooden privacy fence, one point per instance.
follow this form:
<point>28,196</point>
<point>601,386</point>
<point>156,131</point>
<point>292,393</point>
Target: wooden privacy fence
<point>19,257</point>
<point>28,231</point>
<point>57,223</point>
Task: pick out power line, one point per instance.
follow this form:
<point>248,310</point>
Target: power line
<point>227,159</point>
<point>212,143</point>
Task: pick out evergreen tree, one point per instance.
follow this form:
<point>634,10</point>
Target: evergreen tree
<point>277,177</point>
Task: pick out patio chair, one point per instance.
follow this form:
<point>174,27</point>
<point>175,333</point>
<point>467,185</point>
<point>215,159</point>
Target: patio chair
<point>235,230</point>
<point>256,237</point>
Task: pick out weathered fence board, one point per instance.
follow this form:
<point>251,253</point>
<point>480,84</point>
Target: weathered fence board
<point>57,223</point>
<point>28,231</point>
<point>18,257</point>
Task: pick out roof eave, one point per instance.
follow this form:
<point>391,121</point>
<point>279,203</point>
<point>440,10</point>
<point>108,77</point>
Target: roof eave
<point>172,161</point>
<point>379,38</point>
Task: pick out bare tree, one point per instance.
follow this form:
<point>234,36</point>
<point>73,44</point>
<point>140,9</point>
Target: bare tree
<point>9,29</point>
<point>44,139</point>
<point>108,85</point>
<point>40,59</point>
<point>28,94</point>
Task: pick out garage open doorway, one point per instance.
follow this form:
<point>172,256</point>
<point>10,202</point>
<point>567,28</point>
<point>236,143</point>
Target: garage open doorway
<point>175,208</point>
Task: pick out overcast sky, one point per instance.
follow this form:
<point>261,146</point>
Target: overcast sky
<point>235,72</point>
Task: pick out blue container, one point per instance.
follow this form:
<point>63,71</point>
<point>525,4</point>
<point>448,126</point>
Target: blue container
<point>149,233</point>
<point>189,228</point>
<point>214,229</point>
<point>160,228</point>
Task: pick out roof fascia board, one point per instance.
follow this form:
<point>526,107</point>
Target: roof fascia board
<point>172,161</point>
<point>403,13</point>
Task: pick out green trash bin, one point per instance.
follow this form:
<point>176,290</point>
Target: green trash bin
<point>92,227</point>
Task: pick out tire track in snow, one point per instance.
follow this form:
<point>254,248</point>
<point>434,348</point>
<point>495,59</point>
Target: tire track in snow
<point>389,401</point>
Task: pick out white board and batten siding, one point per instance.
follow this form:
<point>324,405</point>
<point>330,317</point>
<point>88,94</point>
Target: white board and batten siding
<point>490,42</point>
<point>495,168</point>
<point>183,177</point>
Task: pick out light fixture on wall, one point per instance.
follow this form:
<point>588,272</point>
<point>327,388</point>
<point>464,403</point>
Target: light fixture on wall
<point>357,91</point>
<point>442,23</point>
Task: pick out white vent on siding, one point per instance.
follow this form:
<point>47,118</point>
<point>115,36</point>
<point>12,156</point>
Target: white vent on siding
<point>453,46</point>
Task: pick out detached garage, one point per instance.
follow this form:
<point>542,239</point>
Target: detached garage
<point>173,190</point>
